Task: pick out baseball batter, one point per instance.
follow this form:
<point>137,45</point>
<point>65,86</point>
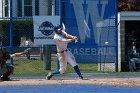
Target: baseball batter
<point>61,39</point>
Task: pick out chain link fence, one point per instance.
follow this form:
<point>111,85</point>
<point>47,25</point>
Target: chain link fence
<point>37,61</point>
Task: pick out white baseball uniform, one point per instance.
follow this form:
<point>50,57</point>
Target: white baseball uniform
<point>63,54</point>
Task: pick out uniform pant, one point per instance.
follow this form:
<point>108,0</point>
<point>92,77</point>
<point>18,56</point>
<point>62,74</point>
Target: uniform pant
<point>65,58</point>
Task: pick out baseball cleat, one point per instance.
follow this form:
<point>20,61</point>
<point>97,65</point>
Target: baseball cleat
<point>49,76</point>
<point>81,77</point>
<point>5,79</point>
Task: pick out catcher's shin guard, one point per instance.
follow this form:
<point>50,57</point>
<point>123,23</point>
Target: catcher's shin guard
<point>10,69</point>
<point>5,76</point>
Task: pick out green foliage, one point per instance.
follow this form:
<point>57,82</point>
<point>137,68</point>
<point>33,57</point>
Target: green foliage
<point>21,28</point>
<point>22,24</point>
<point>128,5</point>
<point>17,24</point>
<point>4,25</point>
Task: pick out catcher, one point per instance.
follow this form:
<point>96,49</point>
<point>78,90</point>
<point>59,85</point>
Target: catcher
<point>61,39</point>
<point>5,69</point>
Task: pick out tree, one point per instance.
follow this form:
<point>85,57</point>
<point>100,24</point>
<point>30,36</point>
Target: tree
<point>129,5</point>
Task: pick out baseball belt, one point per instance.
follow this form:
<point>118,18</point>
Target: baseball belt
<point>62,51</point>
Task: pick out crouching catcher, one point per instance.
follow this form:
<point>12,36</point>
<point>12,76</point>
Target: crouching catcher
<point>5,69</point>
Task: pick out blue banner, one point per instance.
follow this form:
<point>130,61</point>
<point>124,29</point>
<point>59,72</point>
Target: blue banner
<point>94,22</point>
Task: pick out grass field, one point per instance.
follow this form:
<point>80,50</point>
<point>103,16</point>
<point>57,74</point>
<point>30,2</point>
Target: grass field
<point>36,68</point>
<point>24,67</point>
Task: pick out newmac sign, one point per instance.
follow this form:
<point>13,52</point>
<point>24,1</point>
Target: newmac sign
<point>44,29</point>
<point>95,24</point>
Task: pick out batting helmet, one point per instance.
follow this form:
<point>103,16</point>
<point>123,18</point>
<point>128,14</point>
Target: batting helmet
<point>57,27</point>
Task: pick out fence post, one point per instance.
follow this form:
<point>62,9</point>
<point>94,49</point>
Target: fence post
<point>47,58</point>
<point>41,52</point>
<point>11,31</point>
<point>116,16</point>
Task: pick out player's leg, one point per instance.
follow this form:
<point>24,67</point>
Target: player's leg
<point>5,76</point>
<point>62,69</point>
<point>3,69</point>
<point>72,62</point>
<point>59,71</point>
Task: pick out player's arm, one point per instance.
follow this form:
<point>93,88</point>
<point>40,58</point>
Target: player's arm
<point>16,54</point>
<point>62,41</point>
<point>70,36</point>
<point>67,40</point>
<point>74,38</point>
<point>20,53</point>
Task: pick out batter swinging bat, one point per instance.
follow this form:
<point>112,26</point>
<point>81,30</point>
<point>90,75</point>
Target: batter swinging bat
<point>69,36</point>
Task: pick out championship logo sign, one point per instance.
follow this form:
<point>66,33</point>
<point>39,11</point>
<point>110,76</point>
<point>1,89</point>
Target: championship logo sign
<point>43,29</point>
